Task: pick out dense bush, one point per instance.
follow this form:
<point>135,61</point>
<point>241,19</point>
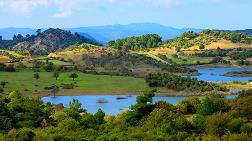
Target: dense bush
<point>7,68</point>
<point>243,55</point>
<point>26,119</point>
<point>180,83</point>
<point>136,43</point>
<point>206,37</point>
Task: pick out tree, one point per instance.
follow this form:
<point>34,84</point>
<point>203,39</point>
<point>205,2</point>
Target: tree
<point>36,76</point>
<point>212,104</point>
<point>217,124</point>
<point>49,67</point>
<point>38,31</point>
<point>54,90</point>
<point>19,37</point>
<point>244,107</point>
<point>1,89</point>
<point>2,67</point>
<point>25,134</point>
<point>3,83</point>
<point>74,109</point>
<point>99,116</point>
<point>14,37</point>
<point>142,108</point>
<point>1,38</point>
<point>10,68</point>
<point>56,75</point>
<point>73,76</point>
<point>27,35</point>
<point>201,46</point>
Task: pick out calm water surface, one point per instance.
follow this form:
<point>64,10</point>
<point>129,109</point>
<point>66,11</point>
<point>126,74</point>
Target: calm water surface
<point>113,106</point>
<point>215,74</point>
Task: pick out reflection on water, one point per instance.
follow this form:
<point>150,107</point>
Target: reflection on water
<point>216,74</point>
<point>113,105</point>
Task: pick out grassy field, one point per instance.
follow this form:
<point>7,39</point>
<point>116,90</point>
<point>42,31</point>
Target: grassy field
<point>24,82</point>
<point>58,62</point>
<point>13,53</point>
<point>181,61</point>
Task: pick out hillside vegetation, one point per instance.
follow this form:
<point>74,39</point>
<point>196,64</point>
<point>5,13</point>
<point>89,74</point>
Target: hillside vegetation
<point>207,37</point>
<point>209,118</point>
<point>44,42</point>
<point>113,61</point>
<point>137,43</point>
<point>195,48</point>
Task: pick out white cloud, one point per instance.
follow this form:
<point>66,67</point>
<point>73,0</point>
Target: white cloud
<point>65,8</point>
<point>21,6</point>
<point>150,2</point>
<point>63,14</point>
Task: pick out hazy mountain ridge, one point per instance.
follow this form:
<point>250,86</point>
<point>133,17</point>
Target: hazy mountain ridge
<point>110,32</point>
<point>247,31</point>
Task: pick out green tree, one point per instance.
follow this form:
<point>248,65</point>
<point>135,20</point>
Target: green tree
<point>217,124</point>
<point>49,67</point>
<point>234,126</point>
<point>142,108</point>
<point>36,76</point>
<point>247,129</point>
<point>54,90</point>
<point>73,76</point>
<point>212,104</point>
<point>3,83</point>
<point>56,75</point>
<point>244,107</point>
<point>25,134</point>
<point>1,89</point>
<point>74,109</point>
<point>38,31</point>
<point>201,46</point>
<point>99,116</point>
<point>69,124</point>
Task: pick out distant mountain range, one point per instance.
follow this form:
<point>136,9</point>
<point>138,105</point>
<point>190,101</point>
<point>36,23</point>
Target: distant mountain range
<point>109,32</point>
<point>247,31</point>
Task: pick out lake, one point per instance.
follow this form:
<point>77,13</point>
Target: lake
<point>215,74</point>
<point>115,103</point>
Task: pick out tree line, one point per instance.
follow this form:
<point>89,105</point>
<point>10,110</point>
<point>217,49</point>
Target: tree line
<point>137,42</point>
<point>180,83</point>
<point>214,118</point>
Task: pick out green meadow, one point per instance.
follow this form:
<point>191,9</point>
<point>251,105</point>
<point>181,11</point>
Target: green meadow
<point>24,81</point>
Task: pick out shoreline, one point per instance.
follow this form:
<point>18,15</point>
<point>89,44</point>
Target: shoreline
<point>117,92</point>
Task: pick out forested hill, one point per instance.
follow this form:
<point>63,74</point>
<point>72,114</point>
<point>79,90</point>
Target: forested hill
<point>45,42</point>
<point>247,31</point>
<point>207,37</point>
<point>137,42</point>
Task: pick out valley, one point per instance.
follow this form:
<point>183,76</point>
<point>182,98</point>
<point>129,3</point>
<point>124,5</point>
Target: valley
<point>122,66</point>
<point>58,85</point>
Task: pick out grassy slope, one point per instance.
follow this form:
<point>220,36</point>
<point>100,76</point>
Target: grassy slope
<point>4,59</point>
<point>223,44</point>
<point>13,53</point>
<point>58,62</point>
<point>169,51</point>
<point>24,80</point>
<point>76,52</point>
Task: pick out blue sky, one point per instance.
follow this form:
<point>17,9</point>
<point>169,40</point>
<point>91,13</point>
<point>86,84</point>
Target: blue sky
<point>218,14</point>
